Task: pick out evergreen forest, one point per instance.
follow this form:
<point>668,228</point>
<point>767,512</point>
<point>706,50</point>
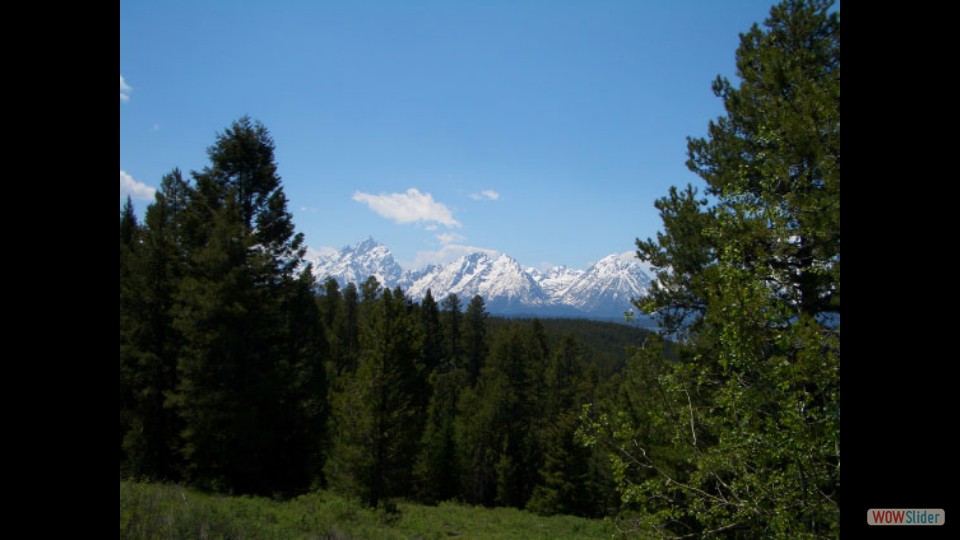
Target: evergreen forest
<point>241,374</point>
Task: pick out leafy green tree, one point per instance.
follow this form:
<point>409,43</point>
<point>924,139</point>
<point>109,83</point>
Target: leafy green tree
<point>751,410</point>
<point>648,410</point>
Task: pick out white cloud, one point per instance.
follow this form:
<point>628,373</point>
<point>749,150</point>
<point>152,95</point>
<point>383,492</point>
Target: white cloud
<point>485,195</point>
<point>449,238</point>
<point>124,90</point>
<point>136,190</point>
<point>409,207</point>
<point>447,253</point>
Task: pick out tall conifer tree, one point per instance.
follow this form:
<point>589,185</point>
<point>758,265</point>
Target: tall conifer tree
<point>251,369</point>
<point>752,410</point>
<point>475,337</point>
<point>376,417</point>
<point>151,446</point>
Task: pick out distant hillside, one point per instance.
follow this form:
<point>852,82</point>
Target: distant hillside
<point>605,343</point>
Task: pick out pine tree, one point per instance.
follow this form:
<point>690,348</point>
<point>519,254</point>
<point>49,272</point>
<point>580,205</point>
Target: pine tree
<point>370,291</point>
<point>348,330</point>
<point>478,428</point>
<point>129,324</point>
<point>679,296</point>
<point>216,315</point>
<point>437,470</point>
<point>151,445</point>
<point>496,438</point>
<point>376,417</point>
<point>565,477</point>
<point>433,332</point>
<point>536,368</point>
<point>128,223</point>
<point>331,305</point>
<point>330,302</point>
<point>753,280</point>
<point>565,472</point>
<point>251,380</point>
<point>453,329</point>
<point>475,337</point>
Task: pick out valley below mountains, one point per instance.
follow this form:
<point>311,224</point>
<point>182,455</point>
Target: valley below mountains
<point>603,291</point>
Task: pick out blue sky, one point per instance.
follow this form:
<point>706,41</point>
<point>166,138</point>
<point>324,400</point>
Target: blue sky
<point>544,130</point>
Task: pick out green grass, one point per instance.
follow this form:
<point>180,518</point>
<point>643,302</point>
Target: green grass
<point>150,511</point>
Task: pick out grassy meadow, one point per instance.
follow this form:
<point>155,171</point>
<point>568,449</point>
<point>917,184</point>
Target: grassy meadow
<point>149,511</point>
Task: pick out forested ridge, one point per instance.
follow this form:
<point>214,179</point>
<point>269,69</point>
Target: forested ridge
<point>241,374</point>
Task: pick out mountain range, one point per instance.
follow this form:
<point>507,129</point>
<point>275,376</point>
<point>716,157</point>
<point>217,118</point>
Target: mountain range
<point>603,291</point>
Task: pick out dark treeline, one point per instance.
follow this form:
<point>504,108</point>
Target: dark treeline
<point>604,343</point>
<point>239,373</point>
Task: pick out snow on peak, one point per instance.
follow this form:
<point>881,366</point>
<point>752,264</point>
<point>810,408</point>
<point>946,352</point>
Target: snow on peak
<point>606,288</point>
<point>357,263</point>
<point>614,280</point>
<point>556,281</point>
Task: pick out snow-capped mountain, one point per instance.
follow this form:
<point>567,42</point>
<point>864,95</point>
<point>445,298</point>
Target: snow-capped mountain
<point>499,279</point>
<point>556,281</point>
<point>603,290</point>
<point>356,264</point>
<point>608,286</point>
